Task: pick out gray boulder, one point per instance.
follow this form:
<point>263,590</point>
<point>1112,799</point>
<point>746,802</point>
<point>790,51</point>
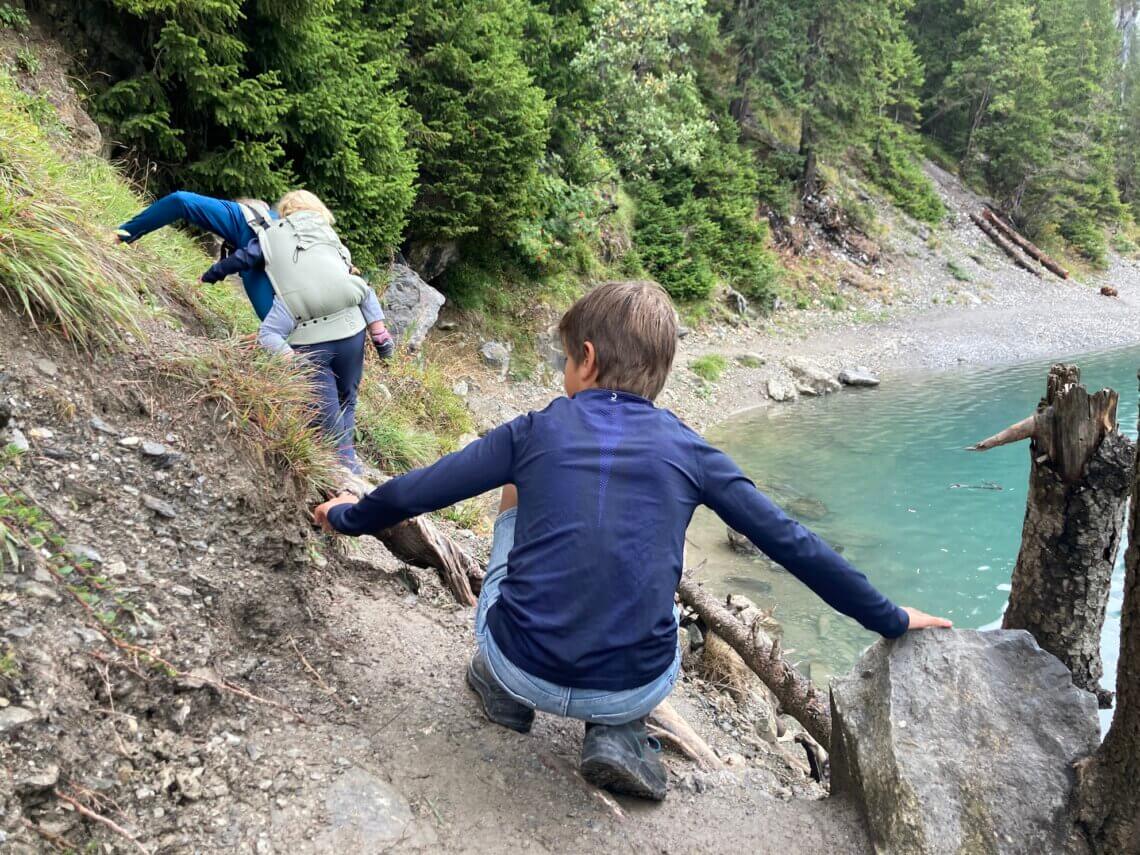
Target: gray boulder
<point>411,306</point>
<point>495,355</point>
<point>781,389</point>
<point>961,741</point>
<point>810,378</point>
<point>858,377</point>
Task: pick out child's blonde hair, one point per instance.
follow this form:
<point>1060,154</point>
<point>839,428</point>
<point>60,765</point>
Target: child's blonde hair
<point>303,200</point>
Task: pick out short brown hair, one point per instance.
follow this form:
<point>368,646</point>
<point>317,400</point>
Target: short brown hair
<point>633,328</point>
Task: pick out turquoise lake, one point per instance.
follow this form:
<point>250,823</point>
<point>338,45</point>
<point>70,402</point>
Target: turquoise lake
<point>884,476</point>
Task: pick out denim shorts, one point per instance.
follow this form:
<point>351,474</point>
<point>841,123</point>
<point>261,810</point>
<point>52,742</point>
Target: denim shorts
<point>593,705</point>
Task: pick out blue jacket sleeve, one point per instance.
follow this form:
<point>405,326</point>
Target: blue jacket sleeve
<point>248,257</point>
<point>483,465</point>
<point>735,499</point>
<point>218,216</point>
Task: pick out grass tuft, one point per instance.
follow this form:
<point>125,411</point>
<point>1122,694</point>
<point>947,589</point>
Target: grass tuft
<point>709,367</point>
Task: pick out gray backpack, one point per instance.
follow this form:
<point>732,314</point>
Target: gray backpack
<point>310,271</point>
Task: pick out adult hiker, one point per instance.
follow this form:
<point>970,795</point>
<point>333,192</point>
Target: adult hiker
<point>228,220</point>
<point>321,311</point>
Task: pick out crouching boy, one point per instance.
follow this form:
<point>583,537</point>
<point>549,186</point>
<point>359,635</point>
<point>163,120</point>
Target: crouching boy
<point>576,616</point>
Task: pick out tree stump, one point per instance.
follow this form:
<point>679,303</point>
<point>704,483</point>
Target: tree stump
<point>1107,791</point>
<point>1074,516</point>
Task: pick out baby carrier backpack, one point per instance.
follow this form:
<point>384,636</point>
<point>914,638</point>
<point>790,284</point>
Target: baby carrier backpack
<point>309,269</point>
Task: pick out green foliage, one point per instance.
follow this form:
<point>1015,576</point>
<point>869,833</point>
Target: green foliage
<point>894,165</point>
<point>13,17</point>
<point>958,271</point>
<point>709,367</point>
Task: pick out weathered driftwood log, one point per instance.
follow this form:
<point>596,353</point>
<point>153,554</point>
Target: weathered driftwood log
<point>795,692</point>
<point>1004,244</point>
<point>1030,248</point>
<point>1074,515</point>
<point>417,541</point>
<point>666,723</point>
<point>1107,792</point>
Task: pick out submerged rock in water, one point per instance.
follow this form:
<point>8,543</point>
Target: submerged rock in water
<point>961,741</point>
<point>807,508</point>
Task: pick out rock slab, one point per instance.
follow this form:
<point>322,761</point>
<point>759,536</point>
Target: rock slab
<point>961,741</point>
<point>810,378</point>
<point>411,306</point>
<point>858,377</point>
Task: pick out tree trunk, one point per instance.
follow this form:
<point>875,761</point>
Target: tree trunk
<point>1107,783</point>
<point>795,692</point>
<point>1004,245</point>
<point>1030,248</point>
<point>1074,515</point>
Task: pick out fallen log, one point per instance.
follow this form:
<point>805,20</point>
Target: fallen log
<point>1004,245</point>
<point>417,541</point>
<point>795,692</point>
<point>1074,515</point>
<point>1030,248</point>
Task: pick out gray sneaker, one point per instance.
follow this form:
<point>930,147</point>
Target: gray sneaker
<point>623,759</point>
<point>498,706</point>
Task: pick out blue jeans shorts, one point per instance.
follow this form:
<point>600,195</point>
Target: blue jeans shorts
<point>593,705</point>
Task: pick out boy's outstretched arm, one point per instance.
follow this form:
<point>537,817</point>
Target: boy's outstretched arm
<point>222,217</point>
<point>483,465</point>
<point>736,500</point>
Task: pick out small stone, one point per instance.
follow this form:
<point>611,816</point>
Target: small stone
<point>682,331</point>
<point>58,452</point>
<point>20,631</point>
<point>40,592</point>
<point>460,389</point>
<point>38,781</point>
<point>163,509</point>
<point>13,718</point>
<point>47,367</point>
<point>17,439</point>
<point>81,550</point>
<point>40,433</point>
<point>129,441</point>
<point>447,326</point>
<point>115,568</point>
<point>101,426</point>
<point>1109,291</point>
<point>253,751</point>
<point>751,360</point>
<point>181,591</point>
<point>154,449</point>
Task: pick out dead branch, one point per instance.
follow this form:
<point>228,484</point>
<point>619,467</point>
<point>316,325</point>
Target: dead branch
<point>1004,245</point>
<point>102,820</point>
<point>1014,433</point>
<point>795,692</point>
<point>320,681</point>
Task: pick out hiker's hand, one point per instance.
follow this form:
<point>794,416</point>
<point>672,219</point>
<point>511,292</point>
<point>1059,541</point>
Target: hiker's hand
<point>384,343</point>
<point>921,620</point>
<point>118,237</point>
<point>321,514</point>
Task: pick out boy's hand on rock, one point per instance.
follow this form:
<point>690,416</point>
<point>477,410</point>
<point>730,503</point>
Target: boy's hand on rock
<point>321,513</point>
<point>921,620</point>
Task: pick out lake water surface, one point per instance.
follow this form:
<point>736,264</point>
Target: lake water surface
<point>884,476</point>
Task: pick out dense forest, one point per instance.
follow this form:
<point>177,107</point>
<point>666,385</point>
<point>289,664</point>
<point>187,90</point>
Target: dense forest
<point>549,138</point>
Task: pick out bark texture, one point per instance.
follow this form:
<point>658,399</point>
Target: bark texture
<point>795,692</point>
<point>1074,516</point>
<point>1108,783</point>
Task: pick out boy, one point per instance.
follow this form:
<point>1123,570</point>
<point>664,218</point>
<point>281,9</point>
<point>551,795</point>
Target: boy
<point>321,308</point>
<point>576,615</point>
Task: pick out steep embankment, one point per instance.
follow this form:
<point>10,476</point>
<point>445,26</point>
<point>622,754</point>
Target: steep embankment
<point>185,666</point>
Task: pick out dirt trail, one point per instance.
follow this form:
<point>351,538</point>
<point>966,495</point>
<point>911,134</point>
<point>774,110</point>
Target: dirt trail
<point>369,741</point>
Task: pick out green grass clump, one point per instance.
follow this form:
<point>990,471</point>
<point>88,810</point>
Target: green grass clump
<point>958,271</point>
<point>709,367</point>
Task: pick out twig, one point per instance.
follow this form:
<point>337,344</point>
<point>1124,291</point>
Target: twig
<point>105,674</point>
<point>98,817</point>
<point>331,692</point>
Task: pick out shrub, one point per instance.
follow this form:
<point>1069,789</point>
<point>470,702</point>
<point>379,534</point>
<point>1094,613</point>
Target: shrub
<point>709,367</point>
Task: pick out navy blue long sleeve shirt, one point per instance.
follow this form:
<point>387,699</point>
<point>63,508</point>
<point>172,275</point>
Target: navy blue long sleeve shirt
<point>218,216</point>
<point>607,486</point>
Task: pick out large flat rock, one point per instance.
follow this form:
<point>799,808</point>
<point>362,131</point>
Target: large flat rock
<point>961,742</point>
